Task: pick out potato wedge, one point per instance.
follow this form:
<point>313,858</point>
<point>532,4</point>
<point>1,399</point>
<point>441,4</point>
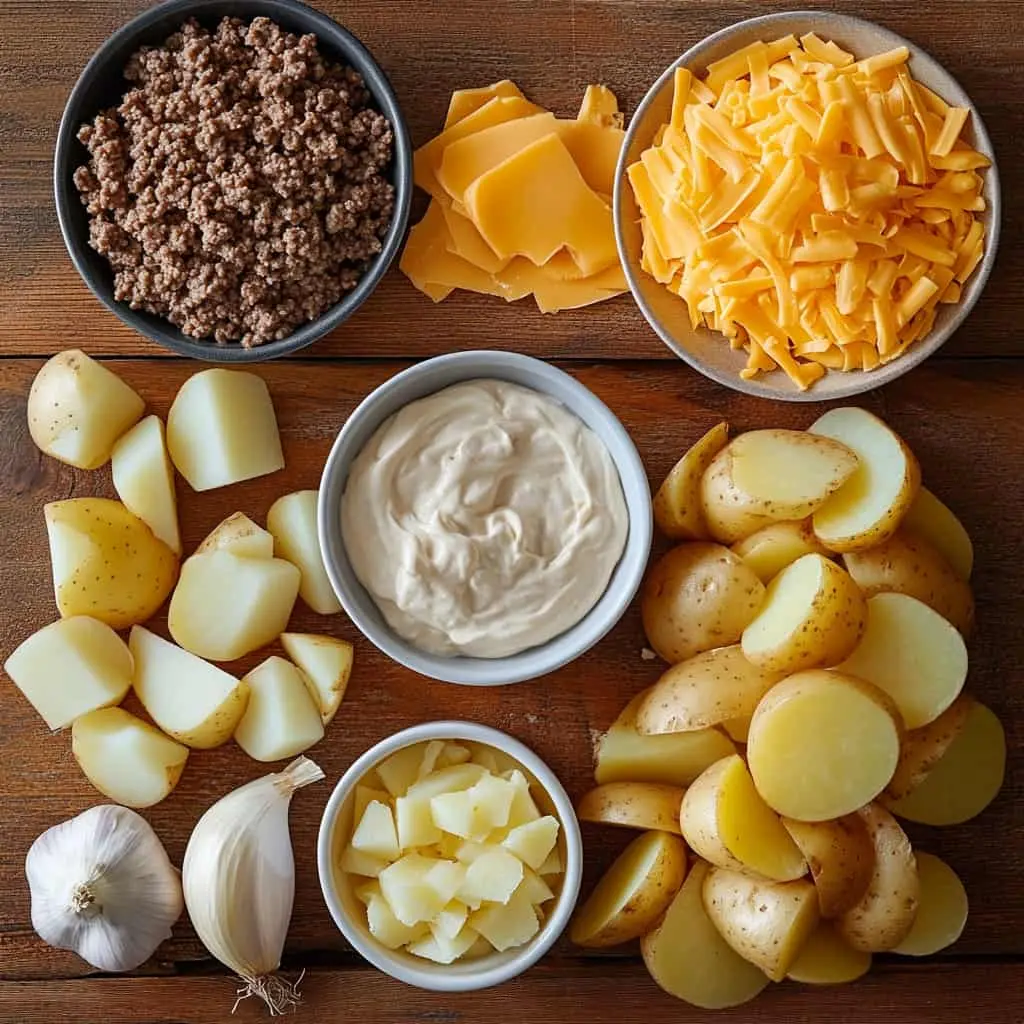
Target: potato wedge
<point>826,959</point>
<point>765,922</point>
<point>687,956</point>
<point>326,664</point>
<point>645,805</point>
<point>966,779</point>
<point>822,744</point>
<point>905,564</point>
<point>813,616</point>
<point>239,535</point>
<point>677,507</point>
<point>726,822</point>
<point>922,749</point>
<point>913,654</point>
<point>292,521</point>
<point>765,476</point>
<point>942,912</point>
<point>708,689</point>
<point>696,597</point>
<point>623,754</point>
<point>934,522</point>
<point>281,718</point>
<point>882,918</point>
<point>841,858</point>
<point>868,508</point>
<point>773,547</point>
<point>633,893</point>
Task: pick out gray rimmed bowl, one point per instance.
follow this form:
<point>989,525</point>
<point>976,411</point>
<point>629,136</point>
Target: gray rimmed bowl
<point>102,84</point>
<point>424,379</point>
<point>707,351</point>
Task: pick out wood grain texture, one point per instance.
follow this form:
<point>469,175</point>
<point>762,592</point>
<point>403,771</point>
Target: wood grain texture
<point>553,48</point>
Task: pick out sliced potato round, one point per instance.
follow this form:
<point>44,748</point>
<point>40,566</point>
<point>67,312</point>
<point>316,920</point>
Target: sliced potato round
<point>634,892</point>
<point>705,690</point>
<point>813,616</point>
<point>869,506</point>
<point>777,545</point>
<point>933,521</point>
<point>645,805</point>
<point>765,476</point>
<point>922,749</point>
<point>826,959</point>
<point>822,744</point>
<point>677,509</point>
<point>913,654</point>
<point>728,824</point>
<point>696,597</point>
<point>942,912</point>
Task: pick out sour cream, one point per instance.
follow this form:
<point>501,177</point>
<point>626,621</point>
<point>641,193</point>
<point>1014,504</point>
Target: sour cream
<point>484,519</point>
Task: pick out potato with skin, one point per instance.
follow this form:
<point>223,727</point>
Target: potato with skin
<point>643,805</point>
<point>766,476</point>
<point>633,893</point>
<point>922,749</point>
<point>826,959</point>
<point>239,535</point>
<point>942,912</point>
<point>696,597</point>
<point>292,521</point>
<point>738,729</point>
<point>813,616</point>
<point>765,922</point>
<point>773,547</point>
<point>725,821</point>
<point>326,664</point>
<point>677,506</point>
<point>708,689</point>
<point>934,522</point>
<point>884,915</point>
<point>144,479</point>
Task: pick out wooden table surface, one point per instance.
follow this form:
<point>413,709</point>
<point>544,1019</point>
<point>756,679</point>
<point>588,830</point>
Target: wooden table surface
<point>961,413</point>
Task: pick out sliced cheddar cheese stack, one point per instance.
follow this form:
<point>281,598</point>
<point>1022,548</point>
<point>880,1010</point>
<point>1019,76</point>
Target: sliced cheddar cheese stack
<point>520,201</point>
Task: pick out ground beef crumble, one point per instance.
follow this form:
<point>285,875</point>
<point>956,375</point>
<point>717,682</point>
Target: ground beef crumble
<point>238,189</point>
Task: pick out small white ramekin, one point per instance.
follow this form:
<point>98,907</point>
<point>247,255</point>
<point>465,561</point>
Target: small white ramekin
<point>349,914</point>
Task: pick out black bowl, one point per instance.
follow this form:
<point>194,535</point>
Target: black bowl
<point>102,84</point>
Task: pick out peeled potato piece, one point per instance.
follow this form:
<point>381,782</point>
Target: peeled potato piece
<point>933,521</point>
<point>765,922</point>
<point>725,821</point>
<point>773,547</point>
<point>764,476</point>
<point>326,664</point>
<point>913,654</point>
<point>281,719</point>
<point>645,805</point>
<point>868,508</point>
<point>292,521</point>
<point>942,912</point>
<point>239,535</point>
<point>922,749</point>
<point>634,892</point>
<point>826,959</point>
<point>687,956</point>
<point>822,744</point>
<point>813,615</point>
<point>677,508</point>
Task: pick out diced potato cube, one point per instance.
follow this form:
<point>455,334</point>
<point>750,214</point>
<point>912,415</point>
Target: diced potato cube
<point>431,753</point>
<point>481,947</point>
<point>523,809</point>
<point>474,813</point>
<point>449,922</point>
<point>368,891</point>
<point>534,888</point>
<point>453,812</point>
<point>417,888</point>
<point>484,757</point>
<point>441,949</point>
<point>398,772</point>
<point>552,865</point>
<point>445,877</point>
<point>362,798</point>
<point>415,825</point>
<point>453,753</point>
<point>375,834</point>
<point>532,842</point>
<point>292,521</point>
<point>326,664</point>
<point>507,925</point>
<point>450,779</point>
<point>354,862</point>
<point>492,877</point>
<point>468,850</point>
<point>387,929</point>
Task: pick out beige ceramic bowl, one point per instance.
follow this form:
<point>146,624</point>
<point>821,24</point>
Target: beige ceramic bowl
<point>707,351</point>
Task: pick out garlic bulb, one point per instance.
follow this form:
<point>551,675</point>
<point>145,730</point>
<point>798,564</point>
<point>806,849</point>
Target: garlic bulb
<point>103,886</point>
<point>239,880</point>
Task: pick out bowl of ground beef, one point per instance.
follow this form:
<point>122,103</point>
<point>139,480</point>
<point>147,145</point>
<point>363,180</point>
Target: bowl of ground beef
<point>233,177</point>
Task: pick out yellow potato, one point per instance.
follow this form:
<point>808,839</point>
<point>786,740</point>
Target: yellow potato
<point>738,729</point>
<point>942,912</point>
<point>645,805</point>
<point>677,508</point>
<point>676,759</point>
<point>696,597</point>
<point>933,521</point>
<point>728,824</point>
<point>841,858</point>
<point>884,915</point>
<point>922,749</point>
<point>868,508</point>
<point>905,564</point>
<point>765,922</point>
<point>690,960</point>
<point>633,893</point>
<point>965,780</point>
<point>773,547</point>
<point>813,615</point>
<point>822,744</point>
<point>708,689</point>
<point>239,535</point>
<point>913,654</point>
<point>827,960</point>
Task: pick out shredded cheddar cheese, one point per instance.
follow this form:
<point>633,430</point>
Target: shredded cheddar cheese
<point>813,208</point>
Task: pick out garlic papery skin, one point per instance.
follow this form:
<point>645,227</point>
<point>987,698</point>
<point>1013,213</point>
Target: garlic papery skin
<point>239,880</point>
<point>103,886</point>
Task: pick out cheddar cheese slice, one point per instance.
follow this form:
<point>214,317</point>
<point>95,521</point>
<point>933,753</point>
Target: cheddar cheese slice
<point>600,107</point>
<point>465,101</point>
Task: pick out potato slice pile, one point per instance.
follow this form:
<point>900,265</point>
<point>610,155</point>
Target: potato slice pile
<point>814,694</point>
<point>116,562</point>
<point>519,201</point>
<point>456,858</point>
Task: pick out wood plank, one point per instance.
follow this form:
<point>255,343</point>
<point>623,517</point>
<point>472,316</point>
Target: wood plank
<point>961,418</point>
<point>44,306</point>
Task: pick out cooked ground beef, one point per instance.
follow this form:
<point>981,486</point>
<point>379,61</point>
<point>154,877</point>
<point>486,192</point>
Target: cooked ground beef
<point>237,190</point>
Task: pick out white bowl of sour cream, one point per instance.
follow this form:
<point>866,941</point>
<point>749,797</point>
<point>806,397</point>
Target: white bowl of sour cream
<point>484,518</point>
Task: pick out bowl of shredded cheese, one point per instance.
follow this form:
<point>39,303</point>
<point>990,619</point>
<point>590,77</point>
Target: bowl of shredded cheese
<point>806,206</point>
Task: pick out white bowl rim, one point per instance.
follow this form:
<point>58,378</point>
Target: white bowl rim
<point>436,979</point>
<point>855,383</point>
